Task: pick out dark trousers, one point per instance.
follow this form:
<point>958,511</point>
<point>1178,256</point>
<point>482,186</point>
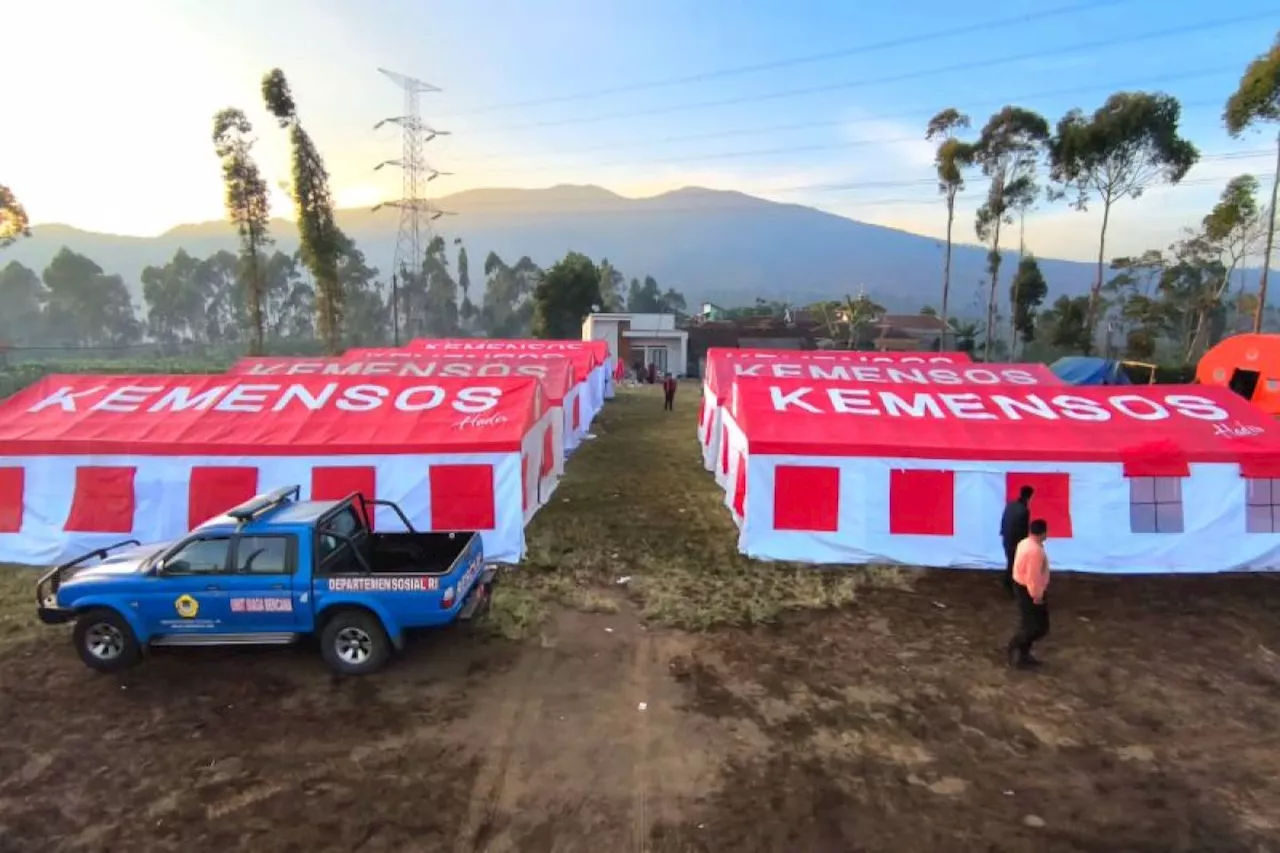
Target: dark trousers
<point>1033,622</point>
<point>669,400</point>
<point>1010,549</point>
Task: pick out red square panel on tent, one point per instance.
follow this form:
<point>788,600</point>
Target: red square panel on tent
<point>922,502</point>
<point>548,453</point>
<point>333,483</point>
<point>806,497</point>
<point>103,500</point>
<point>215,490</point>
<point>1051,501</point>
<point>12,481</point>
<point>462,497</point>
<point>740,488</point>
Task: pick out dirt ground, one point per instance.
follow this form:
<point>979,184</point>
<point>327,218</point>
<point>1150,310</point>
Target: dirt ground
<point>864,710</point>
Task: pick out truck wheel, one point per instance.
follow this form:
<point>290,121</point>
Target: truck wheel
<point>105,641</point>
<point>354,643</point>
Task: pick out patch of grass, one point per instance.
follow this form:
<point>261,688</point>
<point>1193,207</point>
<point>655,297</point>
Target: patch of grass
<point>517,609</point>
<point>18,622</point>
<point>636,502</point>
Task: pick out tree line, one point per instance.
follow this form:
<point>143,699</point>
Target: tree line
<point>1171,302</point>
<point>326,291</point>
<point>206,301</point>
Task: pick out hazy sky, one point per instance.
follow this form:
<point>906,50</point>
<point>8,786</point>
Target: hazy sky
<point>107,115</point>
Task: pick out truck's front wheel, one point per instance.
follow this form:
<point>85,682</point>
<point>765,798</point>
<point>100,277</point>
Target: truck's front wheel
<point>105,641</point>
<point>354,643</point>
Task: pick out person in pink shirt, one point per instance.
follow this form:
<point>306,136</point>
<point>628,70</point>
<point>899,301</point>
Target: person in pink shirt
<point>1030,581</point>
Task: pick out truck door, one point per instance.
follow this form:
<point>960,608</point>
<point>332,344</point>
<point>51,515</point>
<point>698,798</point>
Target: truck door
<point>262,598</point>
<point>189,592</point>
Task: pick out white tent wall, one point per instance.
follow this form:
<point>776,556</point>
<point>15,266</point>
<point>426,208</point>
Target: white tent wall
<point>709,429</point>
<point>532,447</point>
<point>610,365</point>
<point>162,484</point>
<point>1214,518</point>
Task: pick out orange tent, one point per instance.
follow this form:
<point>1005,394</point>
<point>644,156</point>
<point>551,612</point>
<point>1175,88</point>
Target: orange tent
<point>1248,365</point>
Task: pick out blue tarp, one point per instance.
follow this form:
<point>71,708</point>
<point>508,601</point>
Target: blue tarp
<point>1084,370</point>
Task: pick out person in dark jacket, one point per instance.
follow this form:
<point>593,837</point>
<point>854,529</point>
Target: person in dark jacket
<point>1015,525</point>
<point>669,392</point>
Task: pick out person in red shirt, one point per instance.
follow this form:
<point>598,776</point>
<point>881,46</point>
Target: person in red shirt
<point>1030,582</point>
<point>669,393</point>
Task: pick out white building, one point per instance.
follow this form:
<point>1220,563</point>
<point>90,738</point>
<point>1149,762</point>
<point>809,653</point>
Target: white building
<point>647,338</point>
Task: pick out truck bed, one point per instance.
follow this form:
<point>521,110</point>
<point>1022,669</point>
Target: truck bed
<point>415,553</point>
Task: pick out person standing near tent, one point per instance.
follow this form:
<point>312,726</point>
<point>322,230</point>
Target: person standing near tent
<point>669,392</point>
<point>1014,527</point>
<point>1031,581</point>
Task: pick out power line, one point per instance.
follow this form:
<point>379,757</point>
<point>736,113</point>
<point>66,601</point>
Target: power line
<point>1198,27</point>
<point>813,125</point>
<point>756,152</point>
<point>718,74</point>
<point>752,201</point>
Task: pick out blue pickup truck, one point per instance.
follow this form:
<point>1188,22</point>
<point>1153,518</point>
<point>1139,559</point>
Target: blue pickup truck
<point>271,571</point>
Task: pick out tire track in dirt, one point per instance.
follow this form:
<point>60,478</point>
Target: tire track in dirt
<point>643,655</point>
<point>517,711</point>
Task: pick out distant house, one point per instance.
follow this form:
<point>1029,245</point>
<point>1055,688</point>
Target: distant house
<point>641,338</point>
<point>710,312</point>
<point>907,332</point>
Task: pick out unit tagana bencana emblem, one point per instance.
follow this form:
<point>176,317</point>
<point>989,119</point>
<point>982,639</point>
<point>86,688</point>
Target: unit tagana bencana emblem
<point>186,606</point>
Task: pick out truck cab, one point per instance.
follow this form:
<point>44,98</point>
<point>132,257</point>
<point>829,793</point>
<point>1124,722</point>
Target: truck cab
<point>271,571</point>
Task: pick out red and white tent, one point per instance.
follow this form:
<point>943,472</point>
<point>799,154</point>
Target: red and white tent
<point>89,460</point>
<point>1148,479</point>
<point>562,390</point>
<point>724,366</point>
<point>591,359</point>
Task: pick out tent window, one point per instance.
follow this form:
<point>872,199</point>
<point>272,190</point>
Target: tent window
<point>1263,506</point>
<point>1155,504</point>
<point>1244,382</point>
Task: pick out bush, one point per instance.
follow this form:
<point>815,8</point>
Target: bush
<point>13,378</point>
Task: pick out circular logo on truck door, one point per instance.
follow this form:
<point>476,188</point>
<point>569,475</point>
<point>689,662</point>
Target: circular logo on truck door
<point>186,606</point>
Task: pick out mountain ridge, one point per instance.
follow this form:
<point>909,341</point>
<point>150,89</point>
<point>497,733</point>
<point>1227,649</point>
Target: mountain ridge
<point>723,246</point>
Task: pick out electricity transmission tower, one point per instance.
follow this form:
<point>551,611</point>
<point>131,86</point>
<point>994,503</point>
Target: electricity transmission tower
<point>416,212</point>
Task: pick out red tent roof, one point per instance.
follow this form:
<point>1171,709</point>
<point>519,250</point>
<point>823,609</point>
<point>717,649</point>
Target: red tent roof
<point>598,350</point>
<point>267,416</point>
<point>556,371</point>
<point>724,364</point>
<point>1154,427</point>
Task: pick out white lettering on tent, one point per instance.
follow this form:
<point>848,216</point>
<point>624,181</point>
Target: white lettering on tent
<point>303,394</point>
<point>64,398</point>
<point>1126,403</point>
<point>538,370</point>
<point>903,377</point>
<point>1193,406</point>
<point>787,371</point>
<point>851,401</point>
<point>747,370</point>
<point>476,400</point>
<point>1032,405</point>
<point>981,376</point>
<point>304,368</point>
<point>783,402</point>
<point>1081,408</point>
<point>125,399</point>
<point>968,406</point>
<point>362,398</point>
<point>1018,377</point>
<point>832,372</point>
<point>405,401</point>
<point>920,405</point>
<point>494,370</point>
<point>245,398</point>
<point>264,369</point>
<point>180,399</point>
<point>380,368</point>
<point>944,376</point>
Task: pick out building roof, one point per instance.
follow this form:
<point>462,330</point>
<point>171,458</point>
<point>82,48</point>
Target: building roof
<point>913,322</point>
